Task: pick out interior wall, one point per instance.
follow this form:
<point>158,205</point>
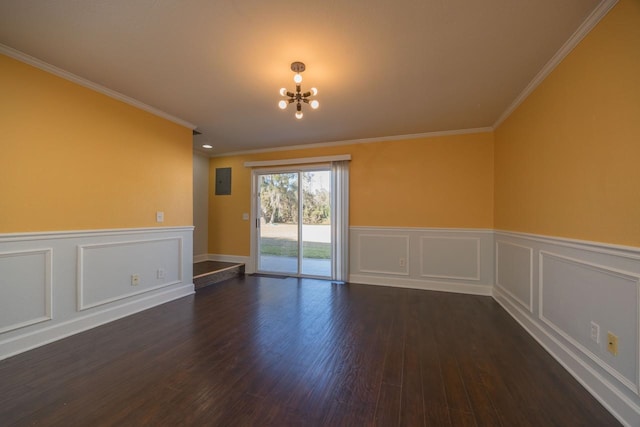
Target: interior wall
<point>444,181</point>
<point>200,204</point>
<point>566,161</point>
<point>75,159</point>
<point>82,176</point>
<point>566,167</point>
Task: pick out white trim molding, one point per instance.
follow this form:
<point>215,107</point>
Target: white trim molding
<point>124,246</point>
<point>403,270</point>
<point>575,283</point>
<point>453,268</point>
<point>425,285</point>
<point>633,279</point>
<point>359,141</point>
<point>475,277</point>
<point>35,62</point>
<point>87,279</point>
<point>592,20</point>
<point>47,310</point>
<point>505,287</point>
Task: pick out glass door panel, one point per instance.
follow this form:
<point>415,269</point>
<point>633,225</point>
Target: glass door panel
<point>316,223</point>
<point>278,236</point>
<point>294,223</point>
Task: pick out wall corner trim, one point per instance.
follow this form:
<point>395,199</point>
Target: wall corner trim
<point>52,69</point>
<point>592,20</point>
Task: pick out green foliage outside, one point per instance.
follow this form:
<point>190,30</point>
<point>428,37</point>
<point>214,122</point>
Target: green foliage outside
<point>279,205</point>
<point>289,248</point>
<point>279,200</point>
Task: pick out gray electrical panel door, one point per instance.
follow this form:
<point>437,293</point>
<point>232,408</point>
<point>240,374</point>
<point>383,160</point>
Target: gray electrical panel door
<point>223,181</point>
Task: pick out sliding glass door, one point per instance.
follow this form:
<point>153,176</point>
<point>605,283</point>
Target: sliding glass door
<point>294,216</point>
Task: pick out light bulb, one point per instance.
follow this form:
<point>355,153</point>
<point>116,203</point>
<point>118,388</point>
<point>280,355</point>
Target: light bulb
<point>282,104</point>
<point>297,78</point>
<point>283,91</point>
<point>314,91</point>
<point>207,146</point>
<point>298,114</point>
<point>315,104</point>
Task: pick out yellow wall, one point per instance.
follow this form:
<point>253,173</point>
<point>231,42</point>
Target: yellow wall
<point>430,182</point>
<point>71,158</point>
<point>567,161</point>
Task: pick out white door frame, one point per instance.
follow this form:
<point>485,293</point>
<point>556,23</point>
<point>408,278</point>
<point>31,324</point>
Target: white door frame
<point>254,224</point>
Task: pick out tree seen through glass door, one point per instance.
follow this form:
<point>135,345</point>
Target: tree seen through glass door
<point>291,226</point>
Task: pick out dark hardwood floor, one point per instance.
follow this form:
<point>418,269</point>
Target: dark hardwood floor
<point>264,351</point>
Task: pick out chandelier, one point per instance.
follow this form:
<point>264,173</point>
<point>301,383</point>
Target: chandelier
<point>298,96</point>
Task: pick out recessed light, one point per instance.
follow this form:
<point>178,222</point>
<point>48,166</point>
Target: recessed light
<point>207,146</point>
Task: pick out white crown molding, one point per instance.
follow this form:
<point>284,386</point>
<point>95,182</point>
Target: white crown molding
<point>356,141</point>
<point>27,59</point>
<point>592,20</point>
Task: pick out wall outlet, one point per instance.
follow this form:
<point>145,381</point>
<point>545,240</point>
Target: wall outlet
<point>135,279</point>
<point>159,216</point>
<point>160,274</point>
<point>612,343</point>
<point>595,332</point>
<point>403,262</point>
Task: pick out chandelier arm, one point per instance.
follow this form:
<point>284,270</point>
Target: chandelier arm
<point>298,97</point>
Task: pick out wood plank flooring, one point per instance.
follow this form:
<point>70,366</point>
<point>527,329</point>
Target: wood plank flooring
<point>287,352</point>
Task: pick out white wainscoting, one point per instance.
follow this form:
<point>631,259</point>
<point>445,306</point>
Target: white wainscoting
<point>56,284</point>
<point>556,287</point>
<point>514,272</point>
<point>452,260</point>
<point>25,280</point>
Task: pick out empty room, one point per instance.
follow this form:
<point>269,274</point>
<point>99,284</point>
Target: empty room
<point>238,212</point>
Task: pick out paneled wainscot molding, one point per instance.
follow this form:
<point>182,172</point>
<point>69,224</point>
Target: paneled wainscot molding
<point>25,278</point>
<point>450,260</point>
<point>557,289</point>
<point>83,279</point>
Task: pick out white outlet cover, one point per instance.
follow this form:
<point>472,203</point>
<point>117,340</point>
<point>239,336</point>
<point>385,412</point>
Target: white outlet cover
<point>245,216</point>
<point>159,216</point>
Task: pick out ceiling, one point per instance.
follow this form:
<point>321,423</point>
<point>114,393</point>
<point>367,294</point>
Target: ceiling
<point>383,68</point>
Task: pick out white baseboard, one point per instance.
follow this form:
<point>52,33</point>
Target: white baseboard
<point>62,283</point>
<point>426,285</point>
<point>557,288</point>
<point>200,258</point>
<point>61,330</point>
<point>619,405</point>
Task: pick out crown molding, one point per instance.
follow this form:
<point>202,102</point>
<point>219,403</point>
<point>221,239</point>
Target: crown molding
<point>27,59</point>
<point>592,20</point>
<point>356,141</point>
